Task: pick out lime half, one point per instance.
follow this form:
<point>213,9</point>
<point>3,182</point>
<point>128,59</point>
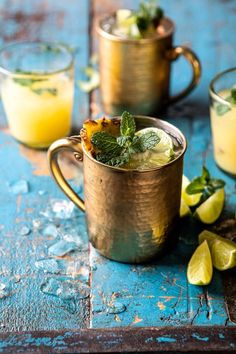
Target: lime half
<point>157,156</point>
<point>165,144</point>
<point>200,268</point>
<point>184,209</point>
<point>209,211</point>
<point>126,24</point>
<point>190,199</point>
<point>223,251</point>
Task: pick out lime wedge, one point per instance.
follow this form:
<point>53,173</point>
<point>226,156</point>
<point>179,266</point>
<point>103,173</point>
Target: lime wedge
<point>123,17</point>
<point>190,199</point>
<point>224,254</point>
<point>223,251</point>
<point>200,268</point>
<point>209,211</point>
<point>184,209</point>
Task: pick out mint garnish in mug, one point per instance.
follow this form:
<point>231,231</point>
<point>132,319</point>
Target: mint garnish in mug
<point>143,149</point>
<point>138,24</point>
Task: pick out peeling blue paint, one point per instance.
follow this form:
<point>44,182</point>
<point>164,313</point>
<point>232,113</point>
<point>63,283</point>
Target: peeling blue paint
<point>221,336</point>
<point>165,340</point>
<point>204,339</point>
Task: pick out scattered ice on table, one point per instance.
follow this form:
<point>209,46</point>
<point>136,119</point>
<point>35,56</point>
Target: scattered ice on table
<point>62,208</point>
<point>61,248</point>
<point>116,307</point>
<point>48,265</point>
<point>41,192</point>
<point>24,230</point>
<point>50,230</point>
<point>75,233</point>
<point>73,236</point>
<point>37,223</point>
<point>19,187</point>
<point>65,289</point>
<point>3,291</point>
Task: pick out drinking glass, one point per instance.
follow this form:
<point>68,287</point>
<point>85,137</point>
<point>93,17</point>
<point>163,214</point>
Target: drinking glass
<point>37,89</point>
<point>223,120</point>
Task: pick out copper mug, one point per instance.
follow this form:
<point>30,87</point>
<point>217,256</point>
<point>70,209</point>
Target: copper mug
<point>135,73</point>
<point>130,214</point>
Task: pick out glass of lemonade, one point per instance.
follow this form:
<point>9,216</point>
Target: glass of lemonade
<point>37,89</point>
<point>223,119</point>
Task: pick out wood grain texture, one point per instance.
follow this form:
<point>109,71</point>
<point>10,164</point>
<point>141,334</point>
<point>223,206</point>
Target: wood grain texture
<point>188,318</point>
<point>123,340</point>
<point>160,294</point>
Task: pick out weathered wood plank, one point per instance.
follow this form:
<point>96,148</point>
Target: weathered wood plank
<point>26,307</point>
<point>123,340</point>
<point>141,288</point>
<point>50,21</point>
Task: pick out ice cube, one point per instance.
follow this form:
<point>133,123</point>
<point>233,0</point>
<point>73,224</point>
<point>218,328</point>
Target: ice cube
<point>61,248</point>
<point>48,265</point>
<point>19,187</point>
<point>50,230</point>
<point>65,289</point>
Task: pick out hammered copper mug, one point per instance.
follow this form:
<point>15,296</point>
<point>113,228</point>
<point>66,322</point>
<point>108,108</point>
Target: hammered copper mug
<point>130,214</point>
<point>135,73</point>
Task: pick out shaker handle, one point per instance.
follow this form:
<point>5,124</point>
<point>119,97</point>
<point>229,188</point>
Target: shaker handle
<point>191,57</point>
<point>73,144</point>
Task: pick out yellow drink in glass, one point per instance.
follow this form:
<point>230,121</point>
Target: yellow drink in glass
<point>39,105</point>
<point>223,120</point>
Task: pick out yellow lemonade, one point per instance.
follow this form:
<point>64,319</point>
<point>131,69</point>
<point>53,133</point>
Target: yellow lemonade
<point>38,108</point>
<point>223,125</point>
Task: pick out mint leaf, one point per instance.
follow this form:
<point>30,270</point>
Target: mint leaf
<point>124,140</point>
<point>145,142</point>
<point>119,160</point>
<point>27,81</point>
<point>205,185</point>
<point>221,109</point>
<point>217,183</point>
<point>205,175</point>
<point>233,94</point>
<point>148,14</point>
<point>196,186</point>
<point>106,143</point>
<point>40,91</point>
<point>127,126</point>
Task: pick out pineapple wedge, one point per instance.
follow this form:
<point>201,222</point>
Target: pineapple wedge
<point>111,126</point>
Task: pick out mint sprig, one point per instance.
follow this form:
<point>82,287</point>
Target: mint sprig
<point>117,151</point>
<point>204,184</point>
<point>148,14</point>
<point>221,109</point>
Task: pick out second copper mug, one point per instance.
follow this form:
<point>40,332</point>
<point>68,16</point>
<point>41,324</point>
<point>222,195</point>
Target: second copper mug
<point>135,73</point>
<point>130,214</point>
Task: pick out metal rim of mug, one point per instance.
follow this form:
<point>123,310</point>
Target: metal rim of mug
<point>170,131</point>
<point>61,46</point>
<point>115,38</point>
<point>212,91</point>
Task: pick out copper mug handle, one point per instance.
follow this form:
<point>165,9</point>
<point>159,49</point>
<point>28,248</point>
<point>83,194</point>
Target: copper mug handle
<point>74,145</point>
<point>191,57</point>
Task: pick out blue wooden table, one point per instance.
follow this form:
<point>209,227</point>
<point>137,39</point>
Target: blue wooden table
<point>82,302</point>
